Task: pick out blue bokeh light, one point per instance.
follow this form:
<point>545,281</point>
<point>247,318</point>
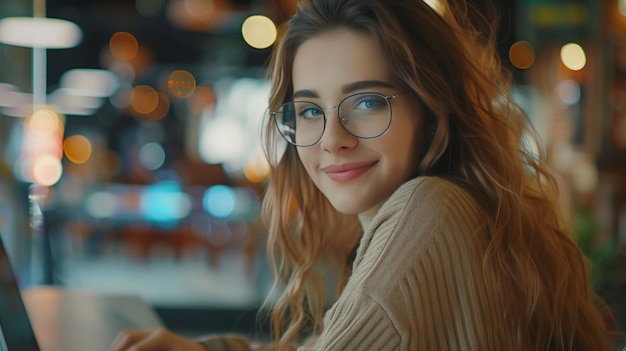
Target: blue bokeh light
<point>165,202</point>
<point>219,201</point>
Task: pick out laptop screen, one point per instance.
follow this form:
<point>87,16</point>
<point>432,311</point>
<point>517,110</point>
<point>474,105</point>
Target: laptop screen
<point>15,328</point>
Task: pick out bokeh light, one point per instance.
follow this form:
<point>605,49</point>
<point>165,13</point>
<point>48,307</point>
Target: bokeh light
<point>223,141</point>
<point>522,54</point>
<point>181,83</point>
<point>43,122</point>
<point>259,31</point>
<point>144,99</point>
<point>162,108</point>
<point>101,204</point>
<point>47,170</point>
<point>229,133</point>
<point>152,156</point>
<point>40,32</point>
<point>90,82</point>
<point>165,202</point>
<point>42,147</point>
<point>219,201</point>
<point>77,148</point>
<point>573,56</point>
<point>257,169</point>
<point>569,92</point>
<point>72,102</point>
<point>123,46</point>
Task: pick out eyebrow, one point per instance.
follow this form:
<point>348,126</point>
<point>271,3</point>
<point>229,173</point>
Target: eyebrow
<point>348,88</point>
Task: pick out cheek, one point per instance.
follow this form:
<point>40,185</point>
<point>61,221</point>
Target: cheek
<point>406,144</point>
<point>408,138</point>
<point>307,158</point>
<point>417,131</point>
<point>420,140</point>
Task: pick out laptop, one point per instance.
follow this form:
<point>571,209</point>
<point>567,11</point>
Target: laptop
<point>64,320</point>
<point>16,332</point>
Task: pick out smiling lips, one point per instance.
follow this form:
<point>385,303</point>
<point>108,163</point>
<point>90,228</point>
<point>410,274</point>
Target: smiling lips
<point>347,171</point>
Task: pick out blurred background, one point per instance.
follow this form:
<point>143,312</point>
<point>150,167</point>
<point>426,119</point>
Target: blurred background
<point>130,157</point>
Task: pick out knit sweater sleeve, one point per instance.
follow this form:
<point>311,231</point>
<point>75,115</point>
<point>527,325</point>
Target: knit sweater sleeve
<point>417,281</point>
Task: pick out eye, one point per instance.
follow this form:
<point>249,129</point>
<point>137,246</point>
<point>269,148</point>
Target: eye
<point>309,111</point>
<point>369,103</point>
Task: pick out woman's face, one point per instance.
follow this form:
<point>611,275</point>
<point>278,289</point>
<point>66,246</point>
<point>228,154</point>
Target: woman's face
<point>356,175</point>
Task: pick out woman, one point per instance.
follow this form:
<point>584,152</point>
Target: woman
<point>406,167</point>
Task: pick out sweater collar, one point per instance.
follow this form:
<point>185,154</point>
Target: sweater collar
<point>365,221</point>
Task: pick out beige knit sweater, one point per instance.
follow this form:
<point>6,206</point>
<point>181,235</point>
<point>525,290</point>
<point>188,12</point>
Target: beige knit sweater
<point>417,280</point>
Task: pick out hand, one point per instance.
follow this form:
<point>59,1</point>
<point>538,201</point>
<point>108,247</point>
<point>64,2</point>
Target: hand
<point>153,340</point>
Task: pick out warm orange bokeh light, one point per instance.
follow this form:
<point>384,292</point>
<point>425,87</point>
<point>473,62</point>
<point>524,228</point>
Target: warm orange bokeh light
<point>522,54</point>
<point>256,170</point>
<point>123,46</point>
<point>181,83</point>
<point>77,148</point>
<point>162,108</point>
<point>144,99</point>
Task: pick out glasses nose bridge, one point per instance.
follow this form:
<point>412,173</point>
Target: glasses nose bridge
<point>333,107</point>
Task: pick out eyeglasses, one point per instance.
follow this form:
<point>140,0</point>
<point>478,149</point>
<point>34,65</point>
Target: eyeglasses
<point>364,115</point>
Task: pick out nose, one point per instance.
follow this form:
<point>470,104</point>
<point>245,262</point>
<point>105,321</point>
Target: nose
<point>336,137</point>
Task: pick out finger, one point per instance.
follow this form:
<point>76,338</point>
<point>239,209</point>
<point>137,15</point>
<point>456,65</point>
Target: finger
<point>157,340</point>
<point>127,338</point>
<point>164,340</point>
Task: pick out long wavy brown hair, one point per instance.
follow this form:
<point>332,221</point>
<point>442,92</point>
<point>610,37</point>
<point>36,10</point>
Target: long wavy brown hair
<point>448,58</point>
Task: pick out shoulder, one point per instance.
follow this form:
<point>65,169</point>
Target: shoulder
<point>428,187</point>
<point>423,214</point>
<point>429,199</point>
<point>428,236</point>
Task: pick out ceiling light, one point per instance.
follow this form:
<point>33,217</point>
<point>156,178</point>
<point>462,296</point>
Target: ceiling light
<point>39,32</point>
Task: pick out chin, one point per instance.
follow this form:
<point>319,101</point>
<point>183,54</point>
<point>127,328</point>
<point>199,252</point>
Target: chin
<point>347,208</point>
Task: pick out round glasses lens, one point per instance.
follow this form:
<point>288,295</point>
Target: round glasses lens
<point>300,122</point>
<point>366,115</point>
